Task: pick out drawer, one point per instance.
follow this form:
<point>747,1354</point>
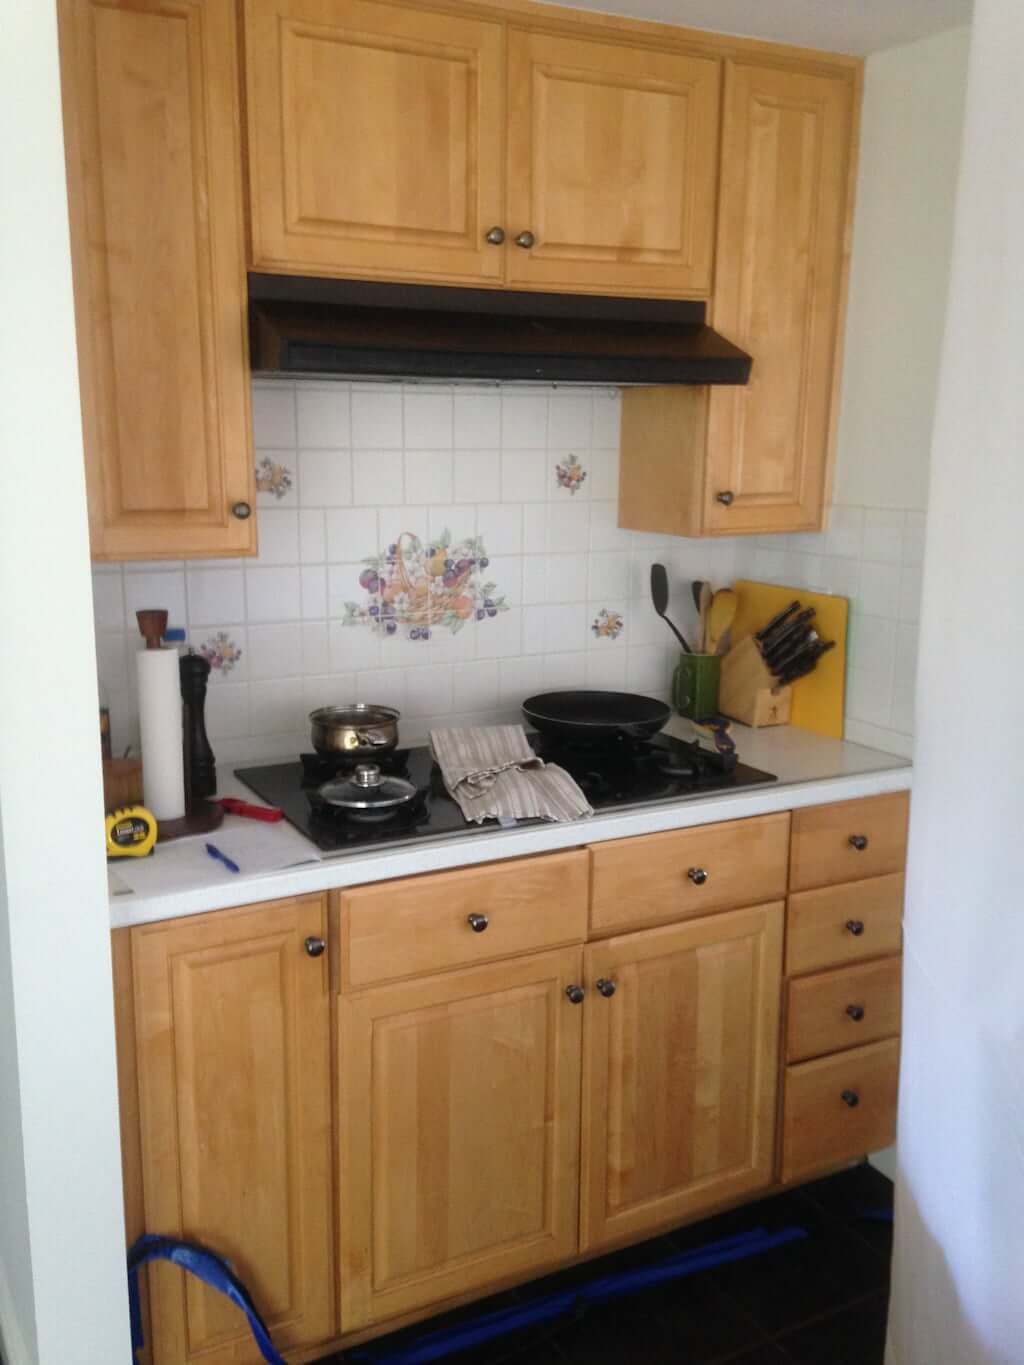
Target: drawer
<point>656,878</point>
<point>841,1009</point>
<point>836,925</point>
<point>848,841</point>
<point>425,924</point>
<point>839,1108</point>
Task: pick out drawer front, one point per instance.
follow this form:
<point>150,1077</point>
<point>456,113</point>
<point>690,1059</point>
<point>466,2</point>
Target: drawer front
<point>842,1009</point>
<point>656,878</point>
<point>839,1108</point>
<point>849,841</point>
<point>837,925</point>
<point>416,925</point>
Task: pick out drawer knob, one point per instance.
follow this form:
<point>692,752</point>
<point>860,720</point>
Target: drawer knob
<point>526,239</point>
<point>850,1098</point>
<point>315,946</point>
<point>697,875</point>
<point>495,236</point>
<point>605,987</point>
<point>856,1012</point>
<point>859,842</point>
<point>855,926</point>
<point>241,510</point>
<point>726,498</point>
<point>575,994</point>
<point>478,923</point>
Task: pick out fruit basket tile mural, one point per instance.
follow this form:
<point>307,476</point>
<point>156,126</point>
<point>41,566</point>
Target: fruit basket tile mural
<point>570,474</point>
<point>420,586</point>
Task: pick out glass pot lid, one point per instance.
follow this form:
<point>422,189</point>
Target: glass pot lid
<point>367,788</point>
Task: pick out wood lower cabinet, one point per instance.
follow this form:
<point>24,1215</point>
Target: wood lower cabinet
<point>680,1071</point>
<point>154,164</point>
<point>376,139</point>
<point>459,1133</point>
<point>613,153</point>
<point>232,1019</point>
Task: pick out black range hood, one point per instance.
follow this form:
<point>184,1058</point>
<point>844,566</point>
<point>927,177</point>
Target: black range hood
<point>364,329</point>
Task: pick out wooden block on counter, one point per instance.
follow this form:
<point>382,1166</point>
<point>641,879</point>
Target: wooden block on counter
<point>748,690</point>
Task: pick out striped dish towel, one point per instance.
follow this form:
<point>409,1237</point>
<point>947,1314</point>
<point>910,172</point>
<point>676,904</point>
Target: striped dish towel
<point>493,774</point>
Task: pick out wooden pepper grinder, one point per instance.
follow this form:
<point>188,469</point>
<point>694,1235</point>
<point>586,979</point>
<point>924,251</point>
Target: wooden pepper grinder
<point>200,764</point>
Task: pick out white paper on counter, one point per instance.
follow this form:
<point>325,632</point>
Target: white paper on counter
<point>184,864</point>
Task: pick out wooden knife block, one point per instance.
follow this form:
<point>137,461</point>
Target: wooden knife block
<point>748,691</point>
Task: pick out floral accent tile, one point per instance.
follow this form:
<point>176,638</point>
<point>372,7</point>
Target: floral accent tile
<point>608,625</point>
<point>272,477</point>
<point>221,652</point>
<point>422,585</point>
<point>570,474</point>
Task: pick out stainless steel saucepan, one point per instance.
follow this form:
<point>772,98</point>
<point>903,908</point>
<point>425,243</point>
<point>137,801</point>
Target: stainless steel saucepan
<point>357,728</point>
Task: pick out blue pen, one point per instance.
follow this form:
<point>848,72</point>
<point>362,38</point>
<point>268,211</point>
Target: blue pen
<point>229,863</point>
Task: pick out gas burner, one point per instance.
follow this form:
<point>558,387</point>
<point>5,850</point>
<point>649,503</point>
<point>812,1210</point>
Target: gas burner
<point>617,774</point>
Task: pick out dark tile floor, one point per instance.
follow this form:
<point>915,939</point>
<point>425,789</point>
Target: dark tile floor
<point>818,1301</point>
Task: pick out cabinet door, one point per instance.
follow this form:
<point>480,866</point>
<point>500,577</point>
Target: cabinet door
<point>154,162</point>
<point>376,139</point>
<point>612,165</point>
<point>679,1071</point>
<point>233,1039</point>
<point>459,1132</point>
<point>778,292</point>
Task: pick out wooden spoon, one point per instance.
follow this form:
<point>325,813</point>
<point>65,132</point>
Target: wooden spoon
<point>720,618</point>
<point>704,609</point>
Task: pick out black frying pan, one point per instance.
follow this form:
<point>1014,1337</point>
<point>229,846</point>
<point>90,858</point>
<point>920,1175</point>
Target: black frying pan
<point>595,715</point>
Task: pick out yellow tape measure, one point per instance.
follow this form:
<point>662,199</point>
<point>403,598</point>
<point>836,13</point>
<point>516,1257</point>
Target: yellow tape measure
<point>131,832</point>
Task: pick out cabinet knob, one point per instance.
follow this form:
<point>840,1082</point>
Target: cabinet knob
<point>495,236</point>
<point>605,987</point>
<point>726,498</point>
<point>315,946</point>
<point>856,1012</point>
<point>697,875</point>
<point>526,239</point>
<point>850,1098</point>
<point>859,842</point>
<point>242,511</point>
<point>478,923</point>
<point>575,994</point>
<point>855,927</point>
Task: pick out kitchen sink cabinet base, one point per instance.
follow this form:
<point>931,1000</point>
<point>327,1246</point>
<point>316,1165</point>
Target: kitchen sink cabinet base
<point>467,1114</point>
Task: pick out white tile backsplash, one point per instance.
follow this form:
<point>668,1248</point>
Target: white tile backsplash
<point>369,462</point>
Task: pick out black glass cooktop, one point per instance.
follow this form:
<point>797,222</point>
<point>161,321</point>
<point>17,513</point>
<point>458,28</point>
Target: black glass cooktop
<point>614,775</point>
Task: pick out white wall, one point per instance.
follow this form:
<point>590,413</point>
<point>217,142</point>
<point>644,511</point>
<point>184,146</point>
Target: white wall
<point>959,1262</point>
<point>62,1277</point>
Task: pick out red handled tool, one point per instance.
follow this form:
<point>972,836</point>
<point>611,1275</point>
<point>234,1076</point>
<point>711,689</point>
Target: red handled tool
<point>269,814</point>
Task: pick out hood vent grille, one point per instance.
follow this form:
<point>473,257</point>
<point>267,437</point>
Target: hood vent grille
<point>369,330</point>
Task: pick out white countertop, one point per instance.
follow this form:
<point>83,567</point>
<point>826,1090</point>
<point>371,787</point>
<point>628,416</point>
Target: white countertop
<point>178,879</point>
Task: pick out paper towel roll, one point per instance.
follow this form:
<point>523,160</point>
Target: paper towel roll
<point>163,764</point>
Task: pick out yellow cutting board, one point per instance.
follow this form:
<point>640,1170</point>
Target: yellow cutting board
<point>818,698</point>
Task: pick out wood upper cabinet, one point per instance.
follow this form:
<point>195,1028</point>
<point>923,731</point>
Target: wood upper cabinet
<point>154,162</point>
<point>613,159</point>
<point>755,458</point>
<point>781,250</point>
<point>376,139</point>
<point>459,1104</point>
<point>233,1050</point>
<point>680,1071</point>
